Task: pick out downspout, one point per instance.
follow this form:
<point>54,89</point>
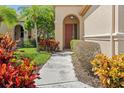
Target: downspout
<point>112,42</point>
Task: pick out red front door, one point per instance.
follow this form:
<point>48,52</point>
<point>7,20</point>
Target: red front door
<point>68,34</point>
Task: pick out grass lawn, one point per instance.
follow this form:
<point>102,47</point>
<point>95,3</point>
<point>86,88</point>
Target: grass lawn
<point>39,58</point>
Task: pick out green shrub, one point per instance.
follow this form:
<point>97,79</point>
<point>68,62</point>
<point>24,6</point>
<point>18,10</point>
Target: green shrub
<point>29,44</point>
<point>83,53</point>
<point>109,70</point>
<point>73,44</point>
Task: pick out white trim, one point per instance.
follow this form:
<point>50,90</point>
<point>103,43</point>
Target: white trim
<point>118,34</point>
<point>105,37</point>
<point>97,36</point>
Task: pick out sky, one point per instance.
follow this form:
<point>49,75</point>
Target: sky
<point>15,6</point>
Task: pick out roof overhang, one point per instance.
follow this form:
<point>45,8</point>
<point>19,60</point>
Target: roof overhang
<point>84,9</point>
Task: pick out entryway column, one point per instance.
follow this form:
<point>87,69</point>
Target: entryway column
<point>119,29</point>
<point>112,41</point>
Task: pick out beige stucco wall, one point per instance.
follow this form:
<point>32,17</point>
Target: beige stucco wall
<point>60,13</point>
<point>121,18</point>
<point>120,29</point>
<point>98,27</point>
<point>99,22</point>
<point>4,29</point>
<point>105,25</point>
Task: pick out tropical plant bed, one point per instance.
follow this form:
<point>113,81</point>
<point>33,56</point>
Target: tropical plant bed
<point>110,70</point>
<point>15,71</point>
<point>84,52</point>
<point>37,58</point>
<point>50,45</point>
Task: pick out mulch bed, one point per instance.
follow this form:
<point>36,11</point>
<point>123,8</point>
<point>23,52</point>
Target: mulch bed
<point>83,75</point>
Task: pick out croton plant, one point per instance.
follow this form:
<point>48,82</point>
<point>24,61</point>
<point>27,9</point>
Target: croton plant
<point>11,74</point>
<point>51,45</point>
<point>109,70</point>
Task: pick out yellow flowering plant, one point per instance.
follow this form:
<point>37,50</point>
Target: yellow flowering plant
<point>109,70</point>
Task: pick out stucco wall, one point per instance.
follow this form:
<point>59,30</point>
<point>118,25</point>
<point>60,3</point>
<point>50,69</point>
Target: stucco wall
<point>99,22</point>
<point>120,28</point>
<point>60,13</point>
<point>4,29</point>
<point>98,27</point>
<point>105,25</point>
<point>121,18</point>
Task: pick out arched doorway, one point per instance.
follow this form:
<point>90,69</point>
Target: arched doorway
<point>71,30</point>
<point>19,34</point>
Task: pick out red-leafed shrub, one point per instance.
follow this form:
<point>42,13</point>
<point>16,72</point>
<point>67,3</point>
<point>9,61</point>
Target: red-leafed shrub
<point>54,45</point>
<point>7,48</point>
<point>49,44</point>
<point>7,43</point>
<point>12,74</point>
<point>21,76</point>
<point>43,43</point>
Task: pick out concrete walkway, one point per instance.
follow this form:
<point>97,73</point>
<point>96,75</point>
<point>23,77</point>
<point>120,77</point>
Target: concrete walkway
<point>58,72</point>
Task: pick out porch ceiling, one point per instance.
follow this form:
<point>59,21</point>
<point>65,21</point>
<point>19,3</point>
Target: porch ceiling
<point>84,9</point>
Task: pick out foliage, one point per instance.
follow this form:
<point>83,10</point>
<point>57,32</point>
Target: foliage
<point>46,21</point>
<point>44,18</point>
<point>13,74</point>
<point>31,13</point>
<point>74,43</point>
<point>21,76</point>
<point>28,23</point>
<point>7,47</point>
<point>109,70</point>
<point>8,15</point>
<point>29,44</point>
<point>33,55</point>
<point>49,44</point>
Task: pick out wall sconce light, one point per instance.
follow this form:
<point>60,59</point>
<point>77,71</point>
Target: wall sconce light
<point>71,17</point>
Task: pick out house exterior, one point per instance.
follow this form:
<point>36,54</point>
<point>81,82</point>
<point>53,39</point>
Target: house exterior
<point>17,32</point>
<point>68,18</point>
<point>14,34</point>
<point>103,24</point>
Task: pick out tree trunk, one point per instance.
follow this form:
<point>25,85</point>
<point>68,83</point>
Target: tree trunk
<point>35,27</point>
